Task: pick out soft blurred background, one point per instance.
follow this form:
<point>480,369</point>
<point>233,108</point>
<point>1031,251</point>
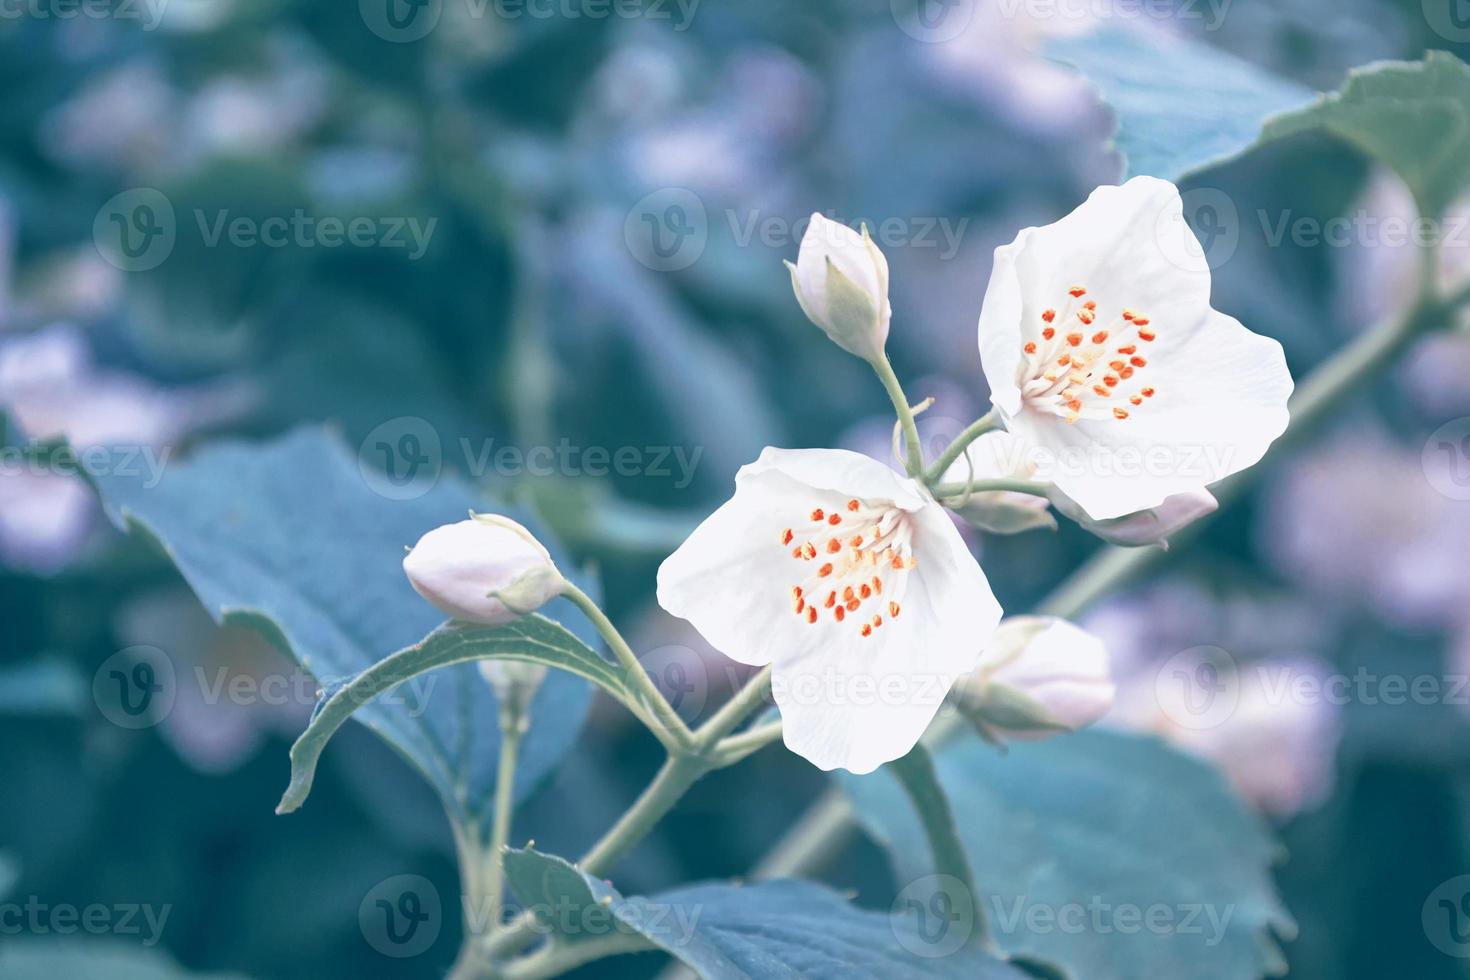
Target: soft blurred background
<point>567,235</point>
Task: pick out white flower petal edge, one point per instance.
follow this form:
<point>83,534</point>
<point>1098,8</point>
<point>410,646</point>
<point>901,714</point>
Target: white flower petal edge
<point>853,583</point>
<point>1099,345</point>
<point>1056,665</point>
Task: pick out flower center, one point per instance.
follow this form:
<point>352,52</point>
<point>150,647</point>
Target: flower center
<point>1080,369</point>
<point>856,559</point>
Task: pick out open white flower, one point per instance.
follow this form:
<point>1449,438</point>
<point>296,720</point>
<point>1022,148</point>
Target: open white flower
<point>853,583</point>
<point>1100,346</point>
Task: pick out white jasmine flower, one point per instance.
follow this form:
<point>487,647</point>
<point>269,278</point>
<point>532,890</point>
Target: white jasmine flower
<point>1100,346</point>
<point>488,570</point>
<point>841,282</point>
<point>853,583</point>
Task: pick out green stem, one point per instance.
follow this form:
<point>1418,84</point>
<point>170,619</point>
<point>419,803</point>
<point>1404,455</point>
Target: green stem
<point>658,798</point>
<point>913,451</point>
<point>737,747</point>
<point>952,490</point>
<point>915,773</point>
<point>956,449</point>
<point>512,731</point>
<point>679,772</point>
<point>737,709</point>
<point>559,958</point>
<point>670,728</point>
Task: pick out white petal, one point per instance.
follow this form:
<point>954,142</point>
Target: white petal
<point>842,471</point>
<point>732,577</point>
<point>1221,401</point>
<point>1128,246</point>
<point>857,702</point>
<point>826,239</point>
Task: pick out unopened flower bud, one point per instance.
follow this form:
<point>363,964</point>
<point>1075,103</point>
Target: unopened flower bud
<point>841,282</point>
<point>1039,676</point>
<point>515,684</point>
<point>1147,527</point>
<point>487,570</point>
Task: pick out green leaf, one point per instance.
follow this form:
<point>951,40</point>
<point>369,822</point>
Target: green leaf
<point>51,959</point>
<point>1412,116</point>
<point>1075,840</point>
<point>1182,106</point>
<point>531,639</point>
<point>291,537</point>
<point>777,930</point>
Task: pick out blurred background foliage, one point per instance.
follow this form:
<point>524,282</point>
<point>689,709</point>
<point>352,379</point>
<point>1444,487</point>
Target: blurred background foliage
<point>533,145</point>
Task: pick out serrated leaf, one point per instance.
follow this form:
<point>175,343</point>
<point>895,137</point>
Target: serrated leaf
<point>1182,106</point>
<point>290,537</point>
<point>531,639</point>
<point>1098,828</point>
<point>777,930</point>
<point>1412,116</point>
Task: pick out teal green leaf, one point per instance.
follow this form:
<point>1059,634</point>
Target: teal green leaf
<point>531,639</point>
<point>778,930</point>
<point>1411,116</point>
<point>1099,828</point>
<point>291,538</point>
<point>1182,106</point>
